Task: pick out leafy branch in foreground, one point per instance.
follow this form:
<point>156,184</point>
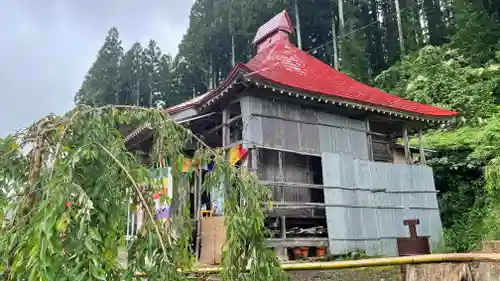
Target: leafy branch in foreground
<point>63,203</point>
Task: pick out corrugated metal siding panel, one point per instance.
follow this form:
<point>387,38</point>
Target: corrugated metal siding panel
<point>371,221</point>
<point>334,139</point>
<point>336,217</point>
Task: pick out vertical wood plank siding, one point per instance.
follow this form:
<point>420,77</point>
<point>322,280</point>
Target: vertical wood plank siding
<point>299,136</point>
<point>295,170</point>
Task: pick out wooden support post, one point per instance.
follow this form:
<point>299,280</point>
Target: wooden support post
<point>369,139</point>
<point>196,212</point>
<point>225,128</point>
<point>410,272</point>
<point>253,161</point>
<point>245,164</point>
<point>421,148</point>
<point>280,166</point>
<point>283,227</point>
<point>406,146</point>
<point>282,251</point>
<point>218,195</point>
<point>200,191</point>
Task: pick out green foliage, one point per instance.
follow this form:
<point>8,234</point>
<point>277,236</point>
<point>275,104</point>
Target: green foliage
<point>63,204</point>
<point>463,75</point>
<point>441,76</point>
<point>243,198</point>
<point>477,33</point>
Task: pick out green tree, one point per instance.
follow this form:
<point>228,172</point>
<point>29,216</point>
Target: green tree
<point>151,74</point>
<point>100,85</point>
<point>130,76</point>
<point>477,35</point>
<point>167,96</point>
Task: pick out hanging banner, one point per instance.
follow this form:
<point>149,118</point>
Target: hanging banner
<point>163,198</point>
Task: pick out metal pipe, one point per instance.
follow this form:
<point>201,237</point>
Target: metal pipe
<point>378,262</point>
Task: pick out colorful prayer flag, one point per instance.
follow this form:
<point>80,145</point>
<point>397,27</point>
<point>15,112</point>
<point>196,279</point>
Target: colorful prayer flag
<point>236,153</point>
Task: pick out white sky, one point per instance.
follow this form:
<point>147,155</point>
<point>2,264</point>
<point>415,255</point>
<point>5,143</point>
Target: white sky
<point>47,46</point>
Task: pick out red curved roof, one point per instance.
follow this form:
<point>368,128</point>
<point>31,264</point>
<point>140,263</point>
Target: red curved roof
<point>285,64</point>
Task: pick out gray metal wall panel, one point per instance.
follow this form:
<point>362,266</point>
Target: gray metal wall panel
<point>377,218</point>
<point>335,216</point>
<point>300,136</point>
<point>252,125</point>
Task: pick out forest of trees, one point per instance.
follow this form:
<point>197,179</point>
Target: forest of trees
<point>441,52</point>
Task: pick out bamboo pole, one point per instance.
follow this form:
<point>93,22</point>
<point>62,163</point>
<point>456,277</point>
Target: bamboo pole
<point>377,262</point>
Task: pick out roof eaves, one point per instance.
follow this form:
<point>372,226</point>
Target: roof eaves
<point>213,95</point>
<point>324,99</point>
<point>185,105</point>
<point>225,86</point>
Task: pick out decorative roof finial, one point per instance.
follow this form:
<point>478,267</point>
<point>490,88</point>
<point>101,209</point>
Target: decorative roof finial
<point>277,28</point>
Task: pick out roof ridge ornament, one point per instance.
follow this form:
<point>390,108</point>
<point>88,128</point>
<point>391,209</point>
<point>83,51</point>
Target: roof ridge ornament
<point>276,29</point>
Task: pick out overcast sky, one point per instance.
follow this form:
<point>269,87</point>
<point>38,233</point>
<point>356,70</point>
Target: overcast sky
<point>47,46</point>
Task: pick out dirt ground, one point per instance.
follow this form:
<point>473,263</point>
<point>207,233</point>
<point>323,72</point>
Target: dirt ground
<point>362,274</point>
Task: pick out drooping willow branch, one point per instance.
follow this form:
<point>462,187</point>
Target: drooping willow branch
<point>98,217</point>
<point>139,193</point>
